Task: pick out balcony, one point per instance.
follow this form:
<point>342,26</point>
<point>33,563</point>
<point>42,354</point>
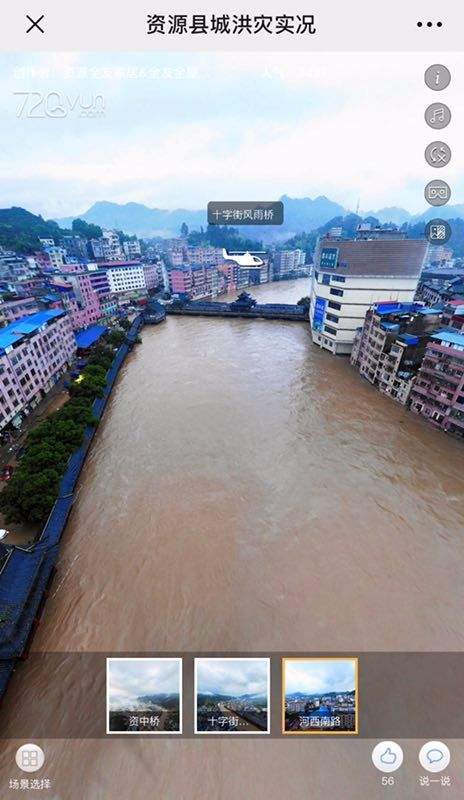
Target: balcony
<point>420,390</point>
<point>459,421</point>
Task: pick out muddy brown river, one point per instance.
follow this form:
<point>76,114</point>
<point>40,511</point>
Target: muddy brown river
<point>246,492</point>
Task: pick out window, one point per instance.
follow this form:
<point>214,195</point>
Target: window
<point>338,292</point>
<point>328,329</point>
<point>335,306</point>
<point>331,317</point>
<point>338,278</point>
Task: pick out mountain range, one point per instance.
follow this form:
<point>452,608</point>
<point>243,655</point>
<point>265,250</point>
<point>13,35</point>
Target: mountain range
<point>300,214</point>
<point>303,695</point>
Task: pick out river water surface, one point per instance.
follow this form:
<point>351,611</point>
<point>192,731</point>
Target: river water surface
<point>247,491</point>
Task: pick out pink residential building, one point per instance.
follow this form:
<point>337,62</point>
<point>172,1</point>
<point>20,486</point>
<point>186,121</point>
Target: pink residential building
<point>151,274</point>
<point>34,352</point>
<point>438,392</point>
<point>12,310</point>
<point>81,300</point>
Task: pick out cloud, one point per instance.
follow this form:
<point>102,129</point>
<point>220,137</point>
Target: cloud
<point>234,676</point>
<point>319,676</point>
<point>346,125</point>
<point>133,678</point>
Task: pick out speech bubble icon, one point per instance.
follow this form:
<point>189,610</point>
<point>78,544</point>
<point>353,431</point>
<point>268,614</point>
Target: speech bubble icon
<point>434,755</point>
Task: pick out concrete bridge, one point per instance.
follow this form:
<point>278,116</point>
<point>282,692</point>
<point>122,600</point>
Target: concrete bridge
<point>206,308</point>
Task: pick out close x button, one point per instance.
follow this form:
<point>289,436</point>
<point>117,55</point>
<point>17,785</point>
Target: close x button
<point>34,24</point>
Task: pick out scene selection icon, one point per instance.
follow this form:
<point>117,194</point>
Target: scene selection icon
<point>232,695</point>
<point>387,756</point>
<point>320,695</point>
<point>144,695</point>
<point>30,757</point>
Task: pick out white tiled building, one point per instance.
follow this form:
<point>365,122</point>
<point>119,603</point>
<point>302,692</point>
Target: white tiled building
<point>350,275</point>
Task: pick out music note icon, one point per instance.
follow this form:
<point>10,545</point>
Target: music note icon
<point>438,116</point>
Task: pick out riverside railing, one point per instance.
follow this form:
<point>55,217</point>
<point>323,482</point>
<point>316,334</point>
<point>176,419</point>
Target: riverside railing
<point>26,573</point>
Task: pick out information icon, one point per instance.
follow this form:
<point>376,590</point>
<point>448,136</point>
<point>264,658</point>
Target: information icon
<point>438,116</point>
<point>437,193</point>
<point>437,77</point>
<point>30,757</point>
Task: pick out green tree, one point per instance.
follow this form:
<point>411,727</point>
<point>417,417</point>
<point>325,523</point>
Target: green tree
<point>86,230</point>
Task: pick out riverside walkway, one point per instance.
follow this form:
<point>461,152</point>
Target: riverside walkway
<point>26,572</point>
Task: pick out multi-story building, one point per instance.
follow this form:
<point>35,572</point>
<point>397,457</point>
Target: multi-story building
<point>76,247</point>
<point>55,256</point>
<point>82,303</point>
<point>153,279</point>
<point>389,348</point>
<point>12,310</point>
<point>132,248</point>
<point>125,276</point>
<point>453,314</point>
<point>296,706</point>
<point>438,391</point>
<point>112,246</point>
<point>198,282</point>
<point>34,352</point>
<point>350,275</point>
<point>13,266</point>
<point>288,264</point>
<point>205,256</point>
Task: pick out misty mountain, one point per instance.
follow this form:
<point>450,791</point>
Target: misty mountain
<point>316,695</point>
<point>444,212</point>
<point>391,214</point>
<point>162,699</point>
<point>300,214</point>
<point>139,219</point>
<point>258,699</point>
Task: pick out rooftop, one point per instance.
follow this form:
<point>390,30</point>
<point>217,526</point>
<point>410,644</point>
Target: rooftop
<point>451,336</point>
<point>397,308</point>
<point>15,331</point>
<point>408,338</point>
<point>400,258</point>
<point>91,335</point>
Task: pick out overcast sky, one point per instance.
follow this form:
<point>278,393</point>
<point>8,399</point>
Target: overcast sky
<point>319,676</point>
<point>130,679</point>
<point>234,677</point>
<point>248,126</point>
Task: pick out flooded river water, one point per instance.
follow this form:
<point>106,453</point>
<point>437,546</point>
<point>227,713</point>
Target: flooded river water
<point>247,491</point>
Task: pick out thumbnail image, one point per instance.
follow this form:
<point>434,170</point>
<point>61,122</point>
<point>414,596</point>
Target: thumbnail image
<point>232,695</point>
<point>144,695</point>
<point>320,695</point>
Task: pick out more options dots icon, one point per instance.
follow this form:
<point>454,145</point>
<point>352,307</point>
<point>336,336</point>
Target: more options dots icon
<point>387,756</point>
<point>434,756</point>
